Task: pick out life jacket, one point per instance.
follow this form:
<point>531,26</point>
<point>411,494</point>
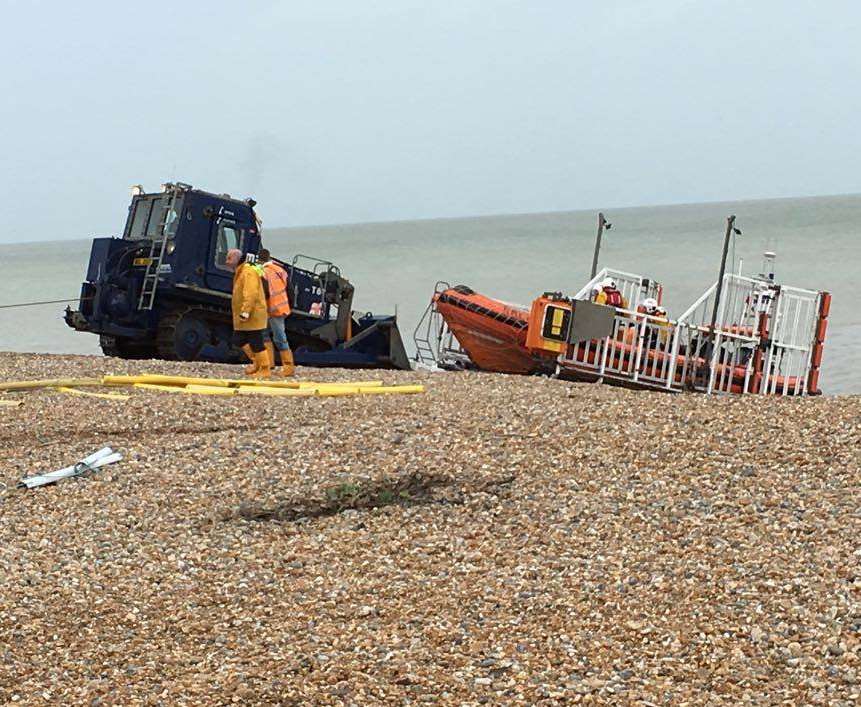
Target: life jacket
<point>258,268</point>
<point>613,298</point>
<point>277,300</point>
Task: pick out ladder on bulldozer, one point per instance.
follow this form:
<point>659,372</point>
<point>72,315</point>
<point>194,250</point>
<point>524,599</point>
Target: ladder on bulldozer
<point>157,249</point>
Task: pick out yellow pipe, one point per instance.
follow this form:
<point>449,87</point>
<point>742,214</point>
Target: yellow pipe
<point>155,379</point>
<point>265,382</point>
<point>11,403</point>
<point>340,384</point>
<point>394,390</point>
<point>158,379</point>
<point>105,396</point>
<point>53,383</point>
<point>209,386</point>
<point>264,390</point>
<point>332,391</point>
<point>163,388</point>
<point>321,391</point>
<point>210,390</point>
<point>275,383</point>
<point>188,390</point>
<point>324,391</point>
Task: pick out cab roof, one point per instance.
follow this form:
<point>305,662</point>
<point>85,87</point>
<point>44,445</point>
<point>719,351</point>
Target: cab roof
<point>187,188</point>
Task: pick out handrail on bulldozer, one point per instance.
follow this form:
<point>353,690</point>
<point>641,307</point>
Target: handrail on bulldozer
<point>317,262</point>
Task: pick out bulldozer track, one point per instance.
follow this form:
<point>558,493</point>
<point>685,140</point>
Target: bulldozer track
<point>166,336</point>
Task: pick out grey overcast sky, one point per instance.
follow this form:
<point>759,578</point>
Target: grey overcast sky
<point>339,111</point>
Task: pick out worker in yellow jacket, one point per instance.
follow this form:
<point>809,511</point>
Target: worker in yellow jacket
<point>608,294</point>
<point>250,318</point>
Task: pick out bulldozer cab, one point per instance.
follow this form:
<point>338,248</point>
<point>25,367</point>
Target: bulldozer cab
<point>199,229</point>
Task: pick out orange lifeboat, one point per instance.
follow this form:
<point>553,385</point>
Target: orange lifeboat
<point>492,333</point>
<point>581,340</point>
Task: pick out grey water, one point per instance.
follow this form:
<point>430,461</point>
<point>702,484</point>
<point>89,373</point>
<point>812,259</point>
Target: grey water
<point>395,265</point>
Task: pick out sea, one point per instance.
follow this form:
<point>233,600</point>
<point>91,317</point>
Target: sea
<point>396,265</point>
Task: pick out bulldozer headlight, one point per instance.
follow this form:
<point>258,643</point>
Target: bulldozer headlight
<point>169,247</point>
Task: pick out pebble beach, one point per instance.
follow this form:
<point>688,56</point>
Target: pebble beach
<point>495,540</point>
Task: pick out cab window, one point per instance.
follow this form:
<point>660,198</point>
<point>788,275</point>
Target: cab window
<point>228,235</point>
<point>148,215</point>
<point>158,213</point>
<point>137,228</point>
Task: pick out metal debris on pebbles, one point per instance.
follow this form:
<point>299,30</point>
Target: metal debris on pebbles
<point>497,540</point>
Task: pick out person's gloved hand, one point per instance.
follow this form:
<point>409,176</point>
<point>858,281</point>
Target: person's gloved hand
<point>244,315</point>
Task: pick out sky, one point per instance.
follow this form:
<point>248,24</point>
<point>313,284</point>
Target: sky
<point>346,111</point>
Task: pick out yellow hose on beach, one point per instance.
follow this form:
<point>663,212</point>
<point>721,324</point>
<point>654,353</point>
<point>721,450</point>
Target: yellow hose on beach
<point>90,394</point>
<point>332,391</point>
<point>266,390</point>
<point>393,390</point>
<point>188,390</point>
<point>209,390</point>
<point>158,379</point>
<point>211,386</point>
<point>52,383</point>
<point>341,384</point>
<point>160,388</point>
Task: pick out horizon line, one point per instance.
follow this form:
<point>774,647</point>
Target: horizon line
<point>465,217</point>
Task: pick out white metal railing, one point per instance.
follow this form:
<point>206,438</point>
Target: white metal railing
<point>762,341</point>
<point>640,349</point>
<point>633,288</point>
<point>788,357</point>
<point>722,360</point>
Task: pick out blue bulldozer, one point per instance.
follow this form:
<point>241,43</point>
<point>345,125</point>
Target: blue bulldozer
<point>163,289</point>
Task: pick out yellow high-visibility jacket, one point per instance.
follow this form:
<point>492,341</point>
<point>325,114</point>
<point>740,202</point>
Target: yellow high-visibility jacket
<point>248,296</point>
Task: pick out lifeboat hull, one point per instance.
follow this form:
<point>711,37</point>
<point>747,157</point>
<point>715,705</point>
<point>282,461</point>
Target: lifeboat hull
<point>491,333</point>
